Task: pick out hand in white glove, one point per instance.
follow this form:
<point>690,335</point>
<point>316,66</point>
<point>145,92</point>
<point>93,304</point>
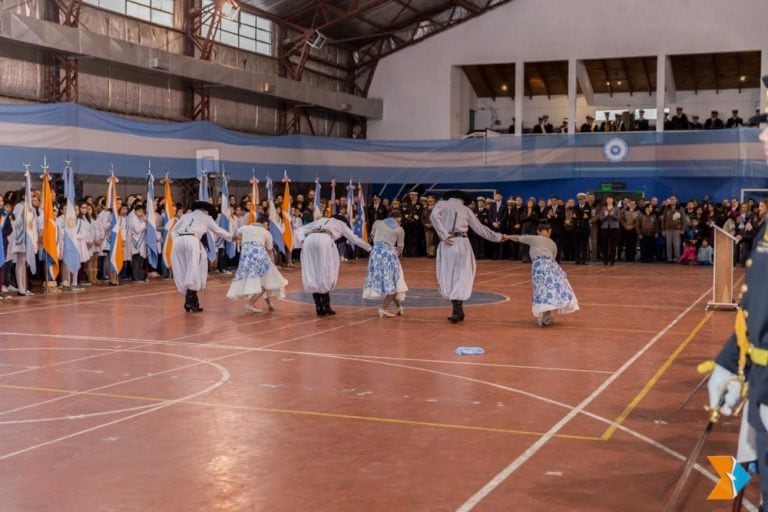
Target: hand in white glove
<point>723,383</point>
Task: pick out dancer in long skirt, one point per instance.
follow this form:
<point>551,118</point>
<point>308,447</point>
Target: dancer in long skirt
<point>320,259</point>
<point>256,275</point>
<point>385,274</point>
<point>456,265</point>
<point>189,257</point>
<point>552,293</point>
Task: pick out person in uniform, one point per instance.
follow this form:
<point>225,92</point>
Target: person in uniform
<point>455,261</point>
<point>414,231</point>
<point>189,257</point>
<point>750,338</point>
<point>582,214</point>
<point>430,237</point>
<point>320,259</point>
<point>483,216</point>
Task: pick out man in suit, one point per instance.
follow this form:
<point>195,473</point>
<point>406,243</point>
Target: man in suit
<point>642,122</point>
<point>714,122</point>
<point>376,211</point>
<point>498,214</point>
<point>734,121</point>
<point>695,124</point>
<point>483,215</point>
<point>555,215</point>
<point>589,126</point>
<point>680,120</point>
<point>414,230</point>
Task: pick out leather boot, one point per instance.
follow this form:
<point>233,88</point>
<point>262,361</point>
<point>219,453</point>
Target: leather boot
<point>188,305</point>
<point>319,308</point>
<point>327,304</point>
<point>195,302</point>
<point>457,313</point>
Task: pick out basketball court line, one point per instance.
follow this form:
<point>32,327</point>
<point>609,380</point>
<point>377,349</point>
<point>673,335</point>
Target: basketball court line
<point>497,480</point>
<point>183,344</point>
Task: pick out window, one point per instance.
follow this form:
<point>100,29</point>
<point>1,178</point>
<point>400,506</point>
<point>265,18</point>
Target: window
<point>159,12</point>
<point>242,30</point>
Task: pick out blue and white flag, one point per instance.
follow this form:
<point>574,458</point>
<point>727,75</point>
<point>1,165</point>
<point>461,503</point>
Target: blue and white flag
<point>30,224</point>
<point>151,236</point>
<point>224,215</point>
<point>275,225</point>
<point>71,254</point>
<point>318,213</point>
<point>203,195</point>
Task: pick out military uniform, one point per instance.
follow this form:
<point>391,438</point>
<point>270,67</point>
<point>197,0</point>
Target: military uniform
<point>754,308</point>
<point>582,215</point>
<point>414,230</point>
<point>479,245</point>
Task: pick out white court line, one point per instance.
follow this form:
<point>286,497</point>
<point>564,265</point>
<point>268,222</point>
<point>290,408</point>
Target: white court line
<point>437,361</point>
<point>596,417</point>
<point>163,405</point>
<point>222,371</point>
<point>544,439</point>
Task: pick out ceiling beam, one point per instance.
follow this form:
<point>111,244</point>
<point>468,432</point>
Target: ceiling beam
<point>486,81</point>
<point>714,68</point>
<point>607,77</point>
<point>468,6</point>
<point>692,69</point>
<point>627,76</point>
<point>583,80</point>
<point>647,76</point>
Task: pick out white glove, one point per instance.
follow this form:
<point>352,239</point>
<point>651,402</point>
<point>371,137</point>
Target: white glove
<point>723,383</point>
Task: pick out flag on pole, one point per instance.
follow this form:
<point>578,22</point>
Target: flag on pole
<point>286,214</point>
<point>318,213</point>
<point>224,215</point>
<point>350,201</point>
<point>71,254</point>
<point>116,236</point>
<point>275,227</point>
<point>203,195</point>
<point>332,207</point>
<point>30,226</point>
<point>253,205</point>
<point>169,222</point>
<point>50,247</point>
<point>361,227</point>
<point>151,236</point>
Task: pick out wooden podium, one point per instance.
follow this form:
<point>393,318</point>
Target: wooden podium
<point>722,271</point>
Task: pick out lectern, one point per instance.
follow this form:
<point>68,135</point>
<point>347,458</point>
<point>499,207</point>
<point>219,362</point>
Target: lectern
<point>722,271</point>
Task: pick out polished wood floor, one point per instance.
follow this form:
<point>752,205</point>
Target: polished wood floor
<point>115,399</point>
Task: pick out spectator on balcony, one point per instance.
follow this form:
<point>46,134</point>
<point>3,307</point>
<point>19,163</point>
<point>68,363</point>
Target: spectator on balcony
<point>543,127</point>
<point>734,121</point>
<point>667,123</point>
<point>714,122</point>
<point>695,124</point>
<point>589,126</point>
<point>680,120</point>
<point>642,122</point>
<point>608,125</point>
<point>563,128</point>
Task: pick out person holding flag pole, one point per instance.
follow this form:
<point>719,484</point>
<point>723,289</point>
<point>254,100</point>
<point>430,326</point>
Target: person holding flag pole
<point>152,236</point>
<point>73,245</point>
<point>228,250</point>
<point>116,240</point>
<point>50,232</point>
<point>285,214</point>
<point>317,212</point>
<point>23,242</point>
<point>253,203</point>
<point>168,220</point>
<point>275,223</point>
<point>331,211</point>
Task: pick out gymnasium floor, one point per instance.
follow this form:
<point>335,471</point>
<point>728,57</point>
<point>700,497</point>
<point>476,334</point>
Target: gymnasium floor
<point>118,400</point>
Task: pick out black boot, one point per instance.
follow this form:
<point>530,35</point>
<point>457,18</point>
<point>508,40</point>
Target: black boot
<point>195,302</point>
<point>457,313</point>
<point>188,304</point>
<point>327,304</point>
<point>319,308</point>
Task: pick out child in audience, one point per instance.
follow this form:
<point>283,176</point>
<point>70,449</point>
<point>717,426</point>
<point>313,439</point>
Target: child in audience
<point>706,253</point>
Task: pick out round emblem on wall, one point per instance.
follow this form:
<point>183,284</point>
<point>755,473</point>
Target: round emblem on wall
<point>615,150</point>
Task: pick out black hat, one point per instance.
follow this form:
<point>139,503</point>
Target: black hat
<point>205,205</point>
<point>458,194</point>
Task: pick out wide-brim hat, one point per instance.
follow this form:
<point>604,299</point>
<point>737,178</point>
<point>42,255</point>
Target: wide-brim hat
<point>206,206</point>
